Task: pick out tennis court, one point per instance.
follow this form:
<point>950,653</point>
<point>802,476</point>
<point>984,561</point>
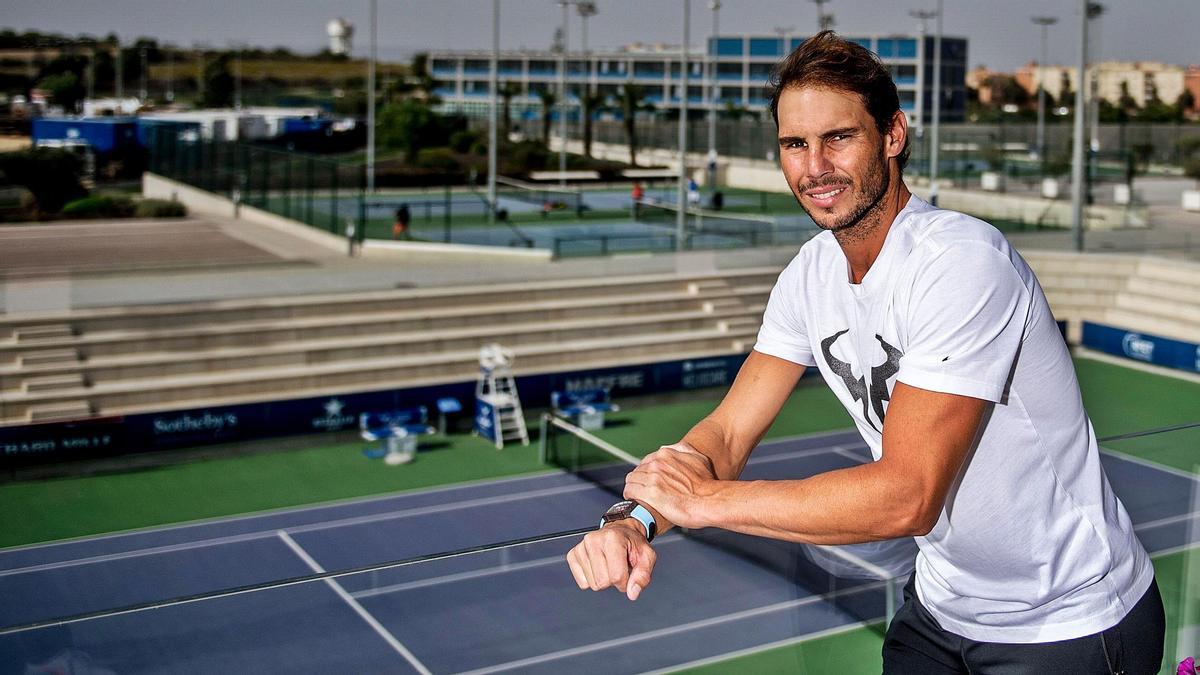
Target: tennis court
<point>515,609</point>
<point>716,597</point>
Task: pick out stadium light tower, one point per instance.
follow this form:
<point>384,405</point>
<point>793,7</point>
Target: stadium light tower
<point>715,6</point>
<point>586,10</point>
<point>1044,22</point>
<point>1077,155</point>
<point>681,197</point>
<point>493,102</point>
<point>371,99</point>
<point>934,140</point>
<point>921,15</point>
<point>562,93</point>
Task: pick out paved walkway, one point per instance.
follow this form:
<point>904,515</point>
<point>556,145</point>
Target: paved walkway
<point>60,266</point>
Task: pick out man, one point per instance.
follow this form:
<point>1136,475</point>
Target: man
<point>937,338</point>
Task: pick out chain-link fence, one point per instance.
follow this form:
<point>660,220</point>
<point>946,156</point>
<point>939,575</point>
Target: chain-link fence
<point>323,193</point>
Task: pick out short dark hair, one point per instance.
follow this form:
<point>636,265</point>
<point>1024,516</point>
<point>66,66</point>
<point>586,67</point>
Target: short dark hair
<point>826,60</point>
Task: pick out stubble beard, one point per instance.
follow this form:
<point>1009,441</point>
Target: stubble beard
<point>863,218</point>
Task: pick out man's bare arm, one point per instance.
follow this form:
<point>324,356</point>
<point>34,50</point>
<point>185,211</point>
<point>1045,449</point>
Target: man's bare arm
<point>727,435</point>
<point>926,438</point>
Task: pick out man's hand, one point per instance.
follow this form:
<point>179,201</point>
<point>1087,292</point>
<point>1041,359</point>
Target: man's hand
<point>617,555</point>
<point>671,481</point>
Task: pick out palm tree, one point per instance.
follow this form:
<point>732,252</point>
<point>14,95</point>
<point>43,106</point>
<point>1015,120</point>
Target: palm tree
<point>549,100</point>
<point>592,103</point>
<point>631,101</point>
<point>507,91</point>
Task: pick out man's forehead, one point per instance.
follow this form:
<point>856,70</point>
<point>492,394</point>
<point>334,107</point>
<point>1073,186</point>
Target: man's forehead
<point>811,106</point>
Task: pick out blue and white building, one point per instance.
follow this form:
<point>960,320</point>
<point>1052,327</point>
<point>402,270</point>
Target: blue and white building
<point>733,71</point>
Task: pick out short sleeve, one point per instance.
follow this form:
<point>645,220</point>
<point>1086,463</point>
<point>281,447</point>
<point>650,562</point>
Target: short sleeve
<point>966,319</point>
<point>783,333</point>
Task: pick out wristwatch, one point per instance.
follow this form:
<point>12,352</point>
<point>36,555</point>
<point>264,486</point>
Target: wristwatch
<point>631,509</point>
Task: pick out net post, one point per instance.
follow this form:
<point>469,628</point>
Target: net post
<point>542,431</point>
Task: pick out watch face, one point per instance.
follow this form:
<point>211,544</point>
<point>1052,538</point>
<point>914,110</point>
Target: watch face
<point>619,511</point>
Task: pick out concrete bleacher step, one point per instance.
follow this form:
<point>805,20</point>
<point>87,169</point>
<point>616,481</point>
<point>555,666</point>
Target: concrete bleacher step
<point>54,382</point>
<point>274,332</point>
<point>46,357</point>
<point>42,332</point>
<point>1177,290</point>
<point>126,367</point>
<point>1177,328</point>
<point>1155,306</point>
<point>58,410</point>
<point>163,316</point>
<point>379,373</point>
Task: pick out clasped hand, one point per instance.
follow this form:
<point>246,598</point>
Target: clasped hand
<point>670,482</point>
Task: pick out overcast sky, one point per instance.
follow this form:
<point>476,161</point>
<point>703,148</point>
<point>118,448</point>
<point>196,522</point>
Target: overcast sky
<point>1000,33</point>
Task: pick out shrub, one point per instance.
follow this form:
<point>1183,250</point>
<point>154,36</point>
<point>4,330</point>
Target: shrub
<point>464,140</point>
<point>52,175</point>
<point>159,208</point>
<point>99,206</point>
<point>441,159</point>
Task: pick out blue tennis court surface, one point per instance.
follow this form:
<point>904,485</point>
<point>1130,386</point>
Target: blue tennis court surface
<point>516,609</point>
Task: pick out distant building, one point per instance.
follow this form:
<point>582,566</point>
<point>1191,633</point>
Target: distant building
<point>341,36</point>
<point>741,65</point>
<point>1141,79</point>
<point>1191,82</point>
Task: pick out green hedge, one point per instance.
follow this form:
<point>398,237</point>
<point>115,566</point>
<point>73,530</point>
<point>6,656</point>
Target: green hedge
<point>159,208</point>
<point>99,206</point>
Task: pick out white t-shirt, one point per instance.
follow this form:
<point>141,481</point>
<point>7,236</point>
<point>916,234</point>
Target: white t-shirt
<point>1032,545</point>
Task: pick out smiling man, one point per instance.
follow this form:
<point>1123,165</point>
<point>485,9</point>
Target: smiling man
<point>937,338</point>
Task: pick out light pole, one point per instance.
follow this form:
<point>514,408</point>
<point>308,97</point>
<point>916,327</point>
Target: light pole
<point>824,21</point>
<point>143,91</point>
<point>921,15</point>
<point>371,99</point>
<point>715,6</point>
<point>586,10</point>
<point>1045,22</point>
<point>562,95</point>
<point>681,197</point>
<point>170,95</point>
<point>495,98</point>
<point>937,108</point>
<point>1077,155</point>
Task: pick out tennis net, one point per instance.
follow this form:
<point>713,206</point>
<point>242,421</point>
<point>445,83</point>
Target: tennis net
<point>534,193</point>
<point>863,580</point>
<point>708,229</point>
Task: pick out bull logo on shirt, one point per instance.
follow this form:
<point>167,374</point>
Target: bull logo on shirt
<point>872,396</point>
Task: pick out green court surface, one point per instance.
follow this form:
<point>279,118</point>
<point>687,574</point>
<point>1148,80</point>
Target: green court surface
<point>309,470</point>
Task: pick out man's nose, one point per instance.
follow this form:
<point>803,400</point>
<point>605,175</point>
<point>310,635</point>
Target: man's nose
<point>818,162</point>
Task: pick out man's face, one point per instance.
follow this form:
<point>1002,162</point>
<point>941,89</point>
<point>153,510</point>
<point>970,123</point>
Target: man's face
<point>833,156</point>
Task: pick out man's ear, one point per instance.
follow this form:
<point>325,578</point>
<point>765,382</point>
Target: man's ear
<point>897,135</point>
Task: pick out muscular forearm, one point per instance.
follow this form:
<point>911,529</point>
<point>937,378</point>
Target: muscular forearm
<point>845,506</point>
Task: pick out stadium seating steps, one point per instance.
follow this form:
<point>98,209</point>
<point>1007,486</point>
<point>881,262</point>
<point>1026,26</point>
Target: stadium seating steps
<point>110,361</point>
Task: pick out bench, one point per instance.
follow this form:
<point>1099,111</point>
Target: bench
<point>586,407</point>
<point>398,430</point>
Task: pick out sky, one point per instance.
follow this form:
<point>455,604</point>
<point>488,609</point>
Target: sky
<point>1001,35</point>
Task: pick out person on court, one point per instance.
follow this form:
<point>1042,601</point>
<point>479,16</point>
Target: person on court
<point>937,338</point>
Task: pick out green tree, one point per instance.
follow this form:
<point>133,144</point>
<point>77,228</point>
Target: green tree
<point>631,100</point>
<point>1126,101</point>
<point>65,90</point>
<point>52,175</point>
<point>1189,157</point>
<point>507,91</point>
<point>218,83</point>
<point>412,125</point>
<point>592,103</point>
<point>549,100</point>
<point>1186,101</point>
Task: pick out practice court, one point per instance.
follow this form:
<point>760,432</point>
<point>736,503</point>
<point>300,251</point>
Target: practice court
<point>516,609</point>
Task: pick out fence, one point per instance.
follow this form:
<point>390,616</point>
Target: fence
<point>322,193</point>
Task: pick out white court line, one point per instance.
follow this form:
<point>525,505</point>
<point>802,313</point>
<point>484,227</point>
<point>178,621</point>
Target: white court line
<point>479,573</point>
<point>1151,464</point>
<point>671,630</point>
<point>815,635</point>
<point>356,520</point>
<point>350,501</point>
<point>418,511</point>
<point>358,609</point>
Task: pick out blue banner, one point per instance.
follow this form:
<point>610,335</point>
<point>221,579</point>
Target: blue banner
<point>89,439</point>
<point>1145,347</point>
<point>485,421</point>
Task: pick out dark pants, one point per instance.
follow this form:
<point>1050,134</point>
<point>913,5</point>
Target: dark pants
<point>916,644</point>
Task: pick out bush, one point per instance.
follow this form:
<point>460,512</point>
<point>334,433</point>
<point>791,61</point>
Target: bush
<point>100,206</point>
<point>466,140</point>
<point>159,208</point>
<point>440,159</point>
<point>52,175</point>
